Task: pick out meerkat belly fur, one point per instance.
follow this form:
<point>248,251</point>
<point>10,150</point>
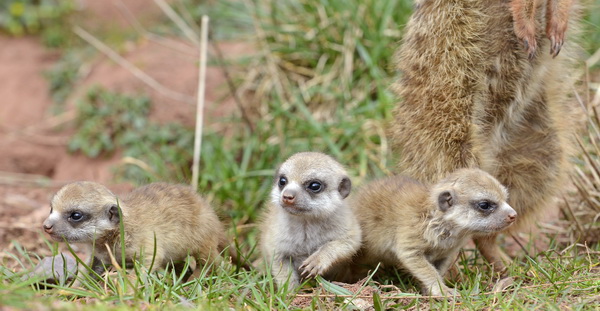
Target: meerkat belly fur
<point>174,217</point>
<point>308,227</point>
<point>421,228</point>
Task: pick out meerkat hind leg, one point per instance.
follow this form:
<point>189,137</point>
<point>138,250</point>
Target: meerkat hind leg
<point>443,265</point>
<point>282,270</point>
<point>213,259</point>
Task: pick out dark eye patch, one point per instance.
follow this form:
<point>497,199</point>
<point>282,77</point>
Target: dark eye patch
<point>484,206</point>
<point>77,216</point>
<point>314,186</point>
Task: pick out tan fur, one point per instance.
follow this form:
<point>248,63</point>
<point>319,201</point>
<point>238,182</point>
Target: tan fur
<point>303,233</point>
<point>421,228</point>
<point>471,97</point>
<point>175,215</point>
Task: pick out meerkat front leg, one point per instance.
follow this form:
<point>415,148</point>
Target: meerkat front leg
<point>523,12</point>
<point>557,19</point>
<point>431,280</point>
<point>328,254</point>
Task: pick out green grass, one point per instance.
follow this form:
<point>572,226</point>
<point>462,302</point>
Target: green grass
<point>549,280</point>
<point>319,81</point>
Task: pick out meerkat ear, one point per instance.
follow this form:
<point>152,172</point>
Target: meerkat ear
<point>445,200</point>
<point>113,214</point>
<point>345,187</point>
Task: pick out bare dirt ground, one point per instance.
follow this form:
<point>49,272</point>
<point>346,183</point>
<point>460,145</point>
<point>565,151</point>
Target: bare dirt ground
<point>34,161</point>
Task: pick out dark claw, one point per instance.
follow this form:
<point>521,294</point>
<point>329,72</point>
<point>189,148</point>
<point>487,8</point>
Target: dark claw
<point>530,48</point>
<point>556,49</point>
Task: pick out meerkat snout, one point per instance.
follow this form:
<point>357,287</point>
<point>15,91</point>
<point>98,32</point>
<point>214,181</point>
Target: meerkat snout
<point>511,218</point>
<point>288,196</point>
<point>511,214</point>
<point>47,227</point>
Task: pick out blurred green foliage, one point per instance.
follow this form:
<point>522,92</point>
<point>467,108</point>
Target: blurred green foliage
<point>167,148</point>
<point>107,121</point>
<point>104,118</point>
<point>591,27</point>
<point>63,75</point>
<point>49,18</point>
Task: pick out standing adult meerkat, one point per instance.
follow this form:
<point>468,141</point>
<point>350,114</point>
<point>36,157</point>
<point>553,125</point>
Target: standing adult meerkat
<point>172,217</point>
<point>308,227</point>
<point>470,96</point>
<point>421,228</point>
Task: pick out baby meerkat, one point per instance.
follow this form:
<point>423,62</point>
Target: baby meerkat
<point>308,226</point>
<point>174,217</point>
<point>421,228</point>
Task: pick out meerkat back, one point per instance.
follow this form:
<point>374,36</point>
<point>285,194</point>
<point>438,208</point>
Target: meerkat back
<point>382,215</point>
<point>181,221</point>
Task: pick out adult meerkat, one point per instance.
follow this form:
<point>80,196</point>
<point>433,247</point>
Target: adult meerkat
<point>472,97</point>
<point>421,228</point>
<point>174,216</point>
<point>525,13</point>
<point>308,226</point>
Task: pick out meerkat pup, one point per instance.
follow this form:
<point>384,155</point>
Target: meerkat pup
<point>172,217</point>
<point>421,228</point>
<point>308,226</point>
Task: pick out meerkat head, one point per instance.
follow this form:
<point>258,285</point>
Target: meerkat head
<point>311,184</point>
<point>81,212</point>
<point>474,201</point>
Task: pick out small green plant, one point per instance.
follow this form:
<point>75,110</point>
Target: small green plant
<point>63,76</point>
<point>108,121</point>
<point>45,17</point>
<point>104,118</point>
<point>168,148</point>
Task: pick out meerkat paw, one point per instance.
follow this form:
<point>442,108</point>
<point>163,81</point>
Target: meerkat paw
<point>313,266</point>
<point>442,290</point>
<point>525,31</point>
<point>524,26</point>
<point>555,30</point>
